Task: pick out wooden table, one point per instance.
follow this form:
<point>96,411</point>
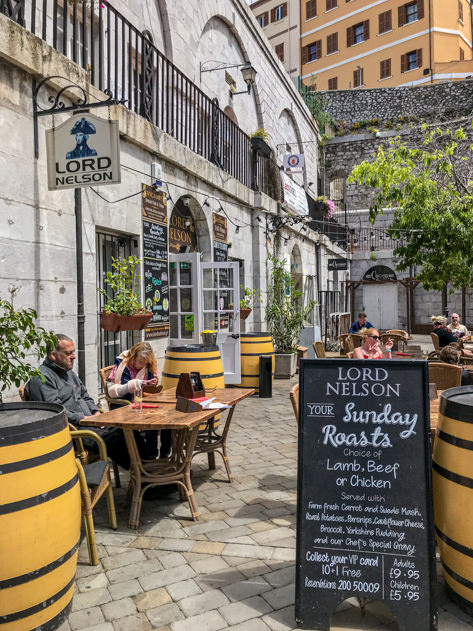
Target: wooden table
<point>208,441</point>
<point>145,474</point>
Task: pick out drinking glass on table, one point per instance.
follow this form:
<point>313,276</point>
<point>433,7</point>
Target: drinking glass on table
<point>138,399</point>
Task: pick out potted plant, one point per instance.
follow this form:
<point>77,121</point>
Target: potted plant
<point>285,316</point>
<point>20,338</point>
<point>123,310</point>
<point>325,205</point>
<point>259,142</point>
<point>250,297</point>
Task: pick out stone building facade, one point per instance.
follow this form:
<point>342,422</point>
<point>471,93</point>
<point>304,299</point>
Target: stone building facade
<point>37,226</point>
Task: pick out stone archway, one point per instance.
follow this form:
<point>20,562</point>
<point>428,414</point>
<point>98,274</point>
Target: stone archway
<point>188,228</point>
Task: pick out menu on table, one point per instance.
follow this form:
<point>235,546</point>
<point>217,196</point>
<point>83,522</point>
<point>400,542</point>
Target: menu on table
<point>364,516</point>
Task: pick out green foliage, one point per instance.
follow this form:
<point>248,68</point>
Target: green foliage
<point>124,283</point>
<point>260,133</point>
<point>388,125</point>
<point>20,339</point>
<point>429,186</point>
<point>285,313</point>
<point>249,298</point>
<point>317,104</point>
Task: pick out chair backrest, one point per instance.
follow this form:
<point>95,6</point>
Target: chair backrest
<point>404,334</point>
<point>104,373</point>
<point>356,339</point>
<point>444,375</point>
<point>294,396</point>
<point>348,345</point>
<point>319,349</point>
<point>350,355</point>
<point>435,340</point>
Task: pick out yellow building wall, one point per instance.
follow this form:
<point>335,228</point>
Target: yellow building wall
<point>445,42</point>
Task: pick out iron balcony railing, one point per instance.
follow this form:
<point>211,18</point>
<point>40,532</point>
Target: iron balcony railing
<point>371,239</point>
<point>120,58</point>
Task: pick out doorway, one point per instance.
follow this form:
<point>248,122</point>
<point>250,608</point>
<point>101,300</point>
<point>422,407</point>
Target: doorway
<point>381,304</point>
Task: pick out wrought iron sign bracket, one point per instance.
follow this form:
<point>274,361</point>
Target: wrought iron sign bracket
<point>57,105</point>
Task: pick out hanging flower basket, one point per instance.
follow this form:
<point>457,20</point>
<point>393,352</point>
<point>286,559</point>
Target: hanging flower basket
<point>245,312</point>
<point>116,323</point>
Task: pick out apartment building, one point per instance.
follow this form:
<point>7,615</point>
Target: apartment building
<point>281,25</point>
<point>381,43</point>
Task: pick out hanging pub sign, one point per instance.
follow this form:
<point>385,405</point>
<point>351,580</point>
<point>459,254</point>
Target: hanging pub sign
<point>364,505</point>
<point>380,272</point>
<point>220,227</point>
<point>220,252</point>
<point>182,235</point>
<point>155,261</point>
<point>337,264</point>
<point>83,151</point>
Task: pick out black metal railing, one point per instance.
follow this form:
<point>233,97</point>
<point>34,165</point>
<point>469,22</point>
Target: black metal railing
<point>120,58</point>
<point>371,239</point>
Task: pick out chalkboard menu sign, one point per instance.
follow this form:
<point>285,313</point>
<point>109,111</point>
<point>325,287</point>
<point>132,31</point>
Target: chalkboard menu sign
<point>364,520</point>
<point>155,261</point>
<point>220,252</point>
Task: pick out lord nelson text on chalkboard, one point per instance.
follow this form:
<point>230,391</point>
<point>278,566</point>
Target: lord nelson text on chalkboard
<point>364,524</point>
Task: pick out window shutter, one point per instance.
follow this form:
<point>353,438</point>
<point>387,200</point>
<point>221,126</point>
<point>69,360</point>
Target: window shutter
<point>355,78</point>
<point>266,18</point>
<point>273,11</point>
<point>462,54</point>
<point>305,54</point>
<point>362,76</point>
<point>460,10</point>
<point>310,9</point>
<point>366,30</point>
<point>401,15</point>
<point>403,63</point>
<point>318,45</point>
<point>381,69</point>
<point>350,36</point>
<point>381,27</point>
<point>388,67</point>
<point>419,58</point>
<point>284,10</point>
<point>420,9</point>
<point>388,22</point>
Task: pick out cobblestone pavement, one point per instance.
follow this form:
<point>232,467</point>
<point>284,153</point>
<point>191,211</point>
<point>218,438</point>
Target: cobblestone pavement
<point>234,569</point>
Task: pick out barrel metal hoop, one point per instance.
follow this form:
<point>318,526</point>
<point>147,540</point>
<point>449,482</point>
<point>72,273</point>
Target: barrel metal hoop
<point>40,429</point>
<point>192,348</point>
<point>192,359</point>
<point>171,376</point>
<point>20,465</point>
<point>255,341</point>
<point>258,334</point>
<point>18,615</point>
<point>460,579</point>
<point>453,477</point>
<point>55,623</point>
<point>455,441</point>
<point>34,574</point>
<point>255,354</point>
<point>454,544</point>
<point>457,410</point>
<point>38,499</point>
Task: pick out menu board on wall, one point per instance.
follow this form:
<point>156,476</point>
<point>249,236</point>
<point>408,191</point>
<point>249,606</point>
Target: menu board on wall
<point>220,252</point>
<point>155,261</point>
<point>364,520</point>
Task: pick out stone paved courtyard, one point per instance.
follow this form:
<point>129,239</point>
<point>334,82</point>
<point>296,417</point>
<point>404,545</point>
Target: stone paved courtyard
<point>234,569</point>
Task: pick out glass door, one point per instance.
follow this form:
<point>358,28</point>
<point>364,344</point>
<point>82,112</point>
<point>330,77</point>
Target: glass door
<point>221,312</point>
<point>184,299</point>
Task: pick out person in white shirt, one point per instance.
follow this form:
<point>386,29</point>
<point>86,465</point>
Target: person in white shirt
<point>458,330</point>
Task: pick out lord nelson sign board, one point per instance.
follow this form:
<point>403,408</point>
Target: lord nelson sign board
<point>82,151</point>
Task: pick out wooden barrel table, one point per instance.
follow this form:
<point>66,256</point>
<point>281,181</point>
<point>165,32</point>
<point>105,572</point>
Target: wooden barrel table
<point>40,515</point>
<point>453,492</point>
<point>252,346</point>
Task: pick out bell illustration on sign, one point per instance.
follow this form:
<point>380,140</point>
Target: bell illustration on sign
<point>82,129</point>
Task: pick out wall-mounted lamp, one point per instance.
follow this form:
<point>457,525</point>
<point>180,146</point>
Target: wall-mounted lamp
<point>186,201</point>
<point>247,71</point>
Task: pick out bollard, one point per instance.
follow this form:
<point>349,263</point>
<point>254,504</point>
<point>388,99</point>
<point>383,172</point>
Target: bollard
<point>265,377</point>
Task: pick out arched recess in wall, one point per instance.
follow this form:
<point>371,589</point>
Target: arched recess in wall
<point>289,134</point>
<point>188,228</point>
<point>219,34</point>
<point>154,18</point>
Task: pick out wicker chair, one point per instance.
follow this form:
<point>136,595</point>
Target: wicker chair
<point>319,349</point>
<point>435,340</point>
<point>347,344</point>
<point>350,355</point>
<point>400,332</point>
<point>94,481</point>
<point>445,375</point>
<point>104,373</point>
<point>434,356</point>
<point>294,396</point>
<point>357,340</point>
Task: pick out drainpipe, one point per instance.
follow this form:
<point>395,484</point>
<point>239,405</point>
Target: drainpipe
<point>430,44</point>
<point>318,271</point>
<point>80,285</point>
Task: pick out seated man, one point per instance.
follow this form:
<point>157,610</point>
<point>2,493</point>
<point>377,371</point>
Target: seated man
<point>458,330</point>
<point>63,386</point>
<point>445,336</point>
<point>361,323</point>
<point>451,355</point>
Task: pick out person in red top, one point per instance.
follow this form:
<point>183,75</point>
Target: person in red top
<point>370,348</point>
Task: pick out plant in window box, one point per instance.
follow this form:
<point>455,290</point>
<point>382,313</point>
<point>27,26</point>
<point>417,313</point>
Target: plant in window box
<point>259,142</point>
<point>325,205</point>
<point>123,310</point>
<point>285,316</point>
<point>250,298</point>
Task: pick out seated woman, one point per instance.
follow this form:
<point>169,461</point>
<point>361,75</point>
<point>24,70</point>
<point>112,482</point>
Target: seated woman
<point>451,355</point>
<point>370,348</point>
<point>445,336</point>
<point>133,369</point>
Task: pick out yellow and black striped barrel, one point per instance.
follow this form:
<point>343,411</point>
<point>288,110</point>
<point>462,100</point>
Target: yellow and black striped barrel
<point>453,492</point>
<point>193,358</point>
<point>40,514</point>
<point>252,346</point>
